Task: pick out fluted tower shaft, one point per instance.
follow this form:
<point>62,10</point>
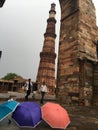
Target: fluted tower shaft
<point>46,70</point>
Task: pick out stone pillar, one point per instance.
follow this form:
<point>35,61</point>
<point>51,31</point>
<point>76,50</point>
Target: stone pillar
<point>77,35</point>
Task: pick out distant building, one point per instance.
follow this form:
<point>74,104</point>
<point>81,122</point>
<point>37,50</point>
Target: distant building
<point>15,84</point>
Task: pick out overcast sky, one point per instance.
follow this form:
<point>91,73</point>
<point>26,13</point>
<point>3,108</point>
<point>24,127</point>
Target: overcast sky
<point>22,25</point>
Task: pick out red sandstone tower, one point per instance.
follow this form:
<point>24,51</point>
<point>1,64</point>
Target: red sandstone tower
<point>46,71</point>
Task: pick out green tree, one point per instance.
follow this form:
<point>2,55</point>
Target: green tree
<point>10,76</point>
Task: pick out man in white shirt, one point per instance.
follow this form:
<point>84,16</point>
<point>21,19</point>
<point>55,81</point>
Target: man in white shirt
<point>43,91</point>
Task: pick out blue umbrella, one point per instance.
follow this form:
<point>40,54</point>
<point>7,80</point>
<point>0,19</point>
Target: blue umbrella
<point>27,114</point>
<point>7,108</point>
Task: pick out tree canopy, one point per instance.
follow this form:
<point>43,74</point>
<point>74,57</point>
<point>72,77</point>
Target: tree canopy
<point>10,76</point>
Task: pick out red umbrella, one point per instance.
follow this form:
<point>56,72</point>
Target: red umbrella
<point>55,115</point>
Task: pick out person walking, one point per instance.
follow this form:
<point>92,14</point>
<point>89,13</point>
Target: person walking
<point>35,88</point>
<point>28,88</point>
<point>43,91</point>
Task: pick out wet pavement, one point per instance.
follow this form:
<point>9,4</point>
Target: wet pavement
<point>20,96</point>
<point>82,118</point>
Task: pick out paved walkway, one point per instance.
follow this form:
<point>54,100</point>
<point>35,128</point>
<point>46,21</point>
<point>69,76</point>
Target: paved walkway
<point>20,96</point>
<point>82,118</point>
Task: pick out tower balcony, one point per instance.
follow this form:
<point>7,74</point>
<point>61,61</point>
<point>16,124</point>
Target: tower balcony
<point>48,54</point>
<point>47,34</point>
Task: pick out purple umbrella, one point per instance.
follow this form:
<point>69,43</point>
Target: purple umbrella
<point>27,114</point>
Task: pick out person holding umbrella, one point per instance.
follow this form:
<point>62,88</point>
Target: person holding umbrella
<point>43,91</point>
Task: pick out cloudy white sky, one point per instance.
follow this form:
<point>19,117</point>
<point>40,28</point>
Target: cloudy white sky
<point>22,25</point>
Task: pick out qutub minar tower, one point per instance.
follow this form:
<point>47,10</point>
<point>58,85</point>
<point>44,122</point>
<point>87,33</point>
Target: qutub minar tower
<point>46,70</point>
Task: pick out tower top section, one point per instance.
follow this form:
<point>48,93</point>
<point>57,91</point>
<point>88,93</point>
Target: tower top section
<point>51,21</point>
<point>52,11</point>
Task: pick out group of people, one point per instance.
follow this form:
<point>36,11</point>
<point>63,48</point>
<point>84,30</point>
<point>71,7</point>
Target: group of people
<point>34,87</point>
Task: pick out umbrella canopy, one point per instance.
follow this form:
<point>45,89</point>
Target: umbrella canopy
<point>27,114</point>
<point>55,115</point>
<point>7,108</point>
